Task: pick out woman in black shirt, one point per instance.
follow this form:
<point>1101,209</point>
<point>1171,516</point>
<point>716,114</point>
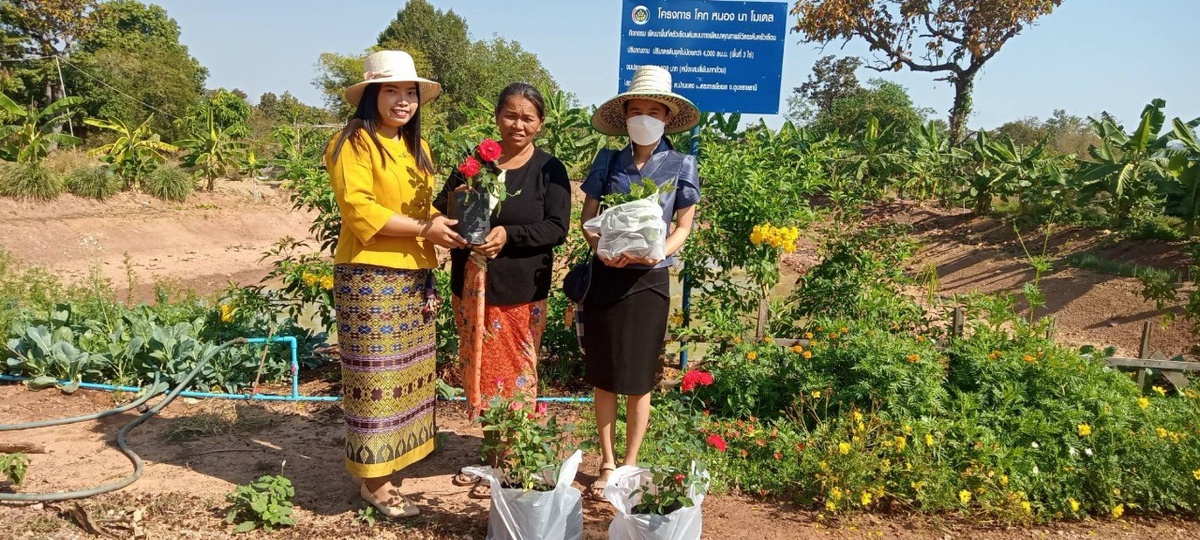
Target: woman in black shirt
<point>500,287</point>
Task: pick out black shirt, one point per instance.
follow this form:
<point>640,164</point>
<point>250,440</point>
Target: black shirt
<point>536,220</point>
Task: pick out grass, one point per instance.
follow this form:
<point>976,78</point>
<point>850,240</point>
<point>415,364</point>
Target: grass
<point>94,182</point>
<point>30,181</point>
<point>169,183</point>
<point>224,419</point>
<point>1091,262</point>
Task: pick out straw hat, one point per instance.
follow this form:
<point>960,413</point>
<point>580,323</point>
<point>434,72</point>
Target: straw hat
<point>649,82</point>
<point>392,66</point>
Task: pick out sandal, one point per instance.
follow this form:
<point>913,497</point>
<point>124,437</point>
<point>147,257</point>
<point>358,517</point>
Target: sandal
<point>595,491</point>
<point>481,490</point>
<point>397,505</point>
<point>463,479</point>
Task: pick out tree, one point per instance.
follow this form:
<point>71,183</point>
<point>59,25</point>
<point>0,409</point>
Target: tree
<point>956,37</point>
<point>44,28</point>
<point>224,109</point>
<point>34,136</point>
<point>1130,167</point>
<point>832,79</point>
<point>887,102</point>
<point>135,49</point>
<point>1027,131</point>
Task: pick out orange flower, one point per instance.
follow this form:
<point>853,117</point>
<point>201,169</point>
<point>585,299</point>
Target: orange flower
<point>797,349</point>
<point>912,358</point>
<point>752,355</point>
<point>807,355</point>
<point>745,453</point>
<point>778,455</point>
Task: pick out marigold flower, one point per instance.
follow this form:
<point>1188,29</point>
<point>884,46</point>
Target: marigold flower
<point>752,355</point>
<point>760,442</point>
<point>835,493</point>
<point>928,439</point>
<point>844,448</point>
<point>309,279</point>
<point>1074,504</point>
<point>737,340</point>
<point>901,444</point>
<point>1144,402</point>
<point>845,330</point>
<point>1196,474</point>
<point>1160,391</point>
<point>1029,359</point>
<point>1162,433</point>
<point>327,283</point>
<point>1004,479</point>
<point>745,453</point>
<point>808,335</point>
<point>797,349</point>
<point>807,355</point>
<point>866,498</point>
<point>778,455</point>
<point>226,313</point>
<point>830,506</point>
<point>1028,508</point>
<point>816,394</point>
<point>1084,430</point>
<point>964,496</point>
<point>1118,511</point>
<point>912,358</point>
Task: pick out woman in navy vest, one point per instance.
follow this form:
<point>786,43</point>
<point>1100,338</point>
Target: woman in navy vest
<point>625,312</point>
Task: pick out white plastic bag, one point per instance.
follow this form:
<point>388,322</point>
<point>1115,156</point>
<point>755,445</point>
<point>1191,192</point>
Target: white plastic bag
<point>635,228</point>
<point>535,515</point>
<point>682,524</point>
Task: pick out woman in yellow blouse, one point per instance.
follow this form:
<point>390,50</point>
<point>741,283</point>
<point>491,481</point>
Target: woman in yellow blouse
<point>382,176</point>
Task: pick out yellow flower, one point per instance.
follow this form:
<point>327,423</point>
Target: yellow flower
<point>831,506</point>
<point>912,358</point>
<point>1118,511</point>
<point>1074,504</point>
<point>844,448</point>
<point>928,439</point>
<point>1029,359</point>
<point>797,349</point>
<point>1144,402</point>
<point>1004,479</point>
<point>226,313</point>
<point>756,237</point>
<point>1160,391</point>
<point>858,416</point>
<point>1028,508</point>
<point>808,335</point>
<point>816,394</point>
<point>807,355</point>
<point>1084,430</point>
<point>964,496</point>
<point>327,283</point>
<point>1162,433</point>
<point>901,443</point>
<point>835,493</point>
<point>737,340</point>
<point>309,279</point>
<point>866,498</point>
<point>845,330</point>
<point>1196,474</point>
<point>752,355</point>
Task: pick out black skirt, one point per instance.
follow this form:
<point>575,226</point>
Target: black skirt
<point>624,326</point>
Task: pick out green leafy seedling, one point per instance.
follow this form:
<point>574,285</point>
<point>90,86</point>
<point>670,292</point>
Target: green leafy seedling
<point>266,503</point>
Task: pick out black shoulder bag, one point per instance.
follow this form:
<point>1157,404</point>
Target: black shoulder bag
<point>578,280</point>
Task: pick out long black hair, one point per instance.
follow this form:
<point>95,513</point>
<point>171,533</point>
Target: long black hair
<point>366,118</point>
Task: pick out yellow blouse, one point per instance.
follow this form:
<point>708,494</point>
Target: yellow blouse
<point>369,192</point>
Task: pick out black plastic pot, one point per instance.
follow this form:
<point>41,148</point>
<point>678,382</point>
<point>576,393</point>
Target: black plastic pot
<point>470,208</point>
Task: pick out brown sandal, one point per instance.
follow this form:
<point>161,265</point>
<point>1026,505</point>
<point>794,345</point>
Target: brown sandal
<point>463,479</point>
<point>595,491</point>
<point>481,490</point>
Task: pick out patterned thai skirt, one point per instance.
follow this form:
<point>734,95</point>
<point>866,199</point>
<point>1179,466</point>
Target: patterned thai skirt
<point>498,346</point>
<point>388,378</point>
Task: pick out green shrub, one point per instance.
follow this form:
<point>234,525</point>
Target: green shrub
<point>266,503</point>
<point>94,182</point>
<point>13,467</point>
<point>169,183</point>
<point>30,181</point>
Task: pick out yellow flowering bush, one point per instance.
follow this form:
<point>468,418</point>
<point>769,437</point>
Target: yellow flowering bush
<point>783,238</point>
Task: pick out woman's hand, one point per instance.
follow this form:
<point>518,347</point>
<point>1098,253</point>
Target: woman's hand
<point>440,231</point>
<point>494,242</point>
<point>616,262</point>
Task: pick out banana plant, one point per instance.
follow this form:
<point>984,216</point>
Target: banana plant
<point>568,133</point>
<point>135,153</point>
<point>1183,163</point>
<point>1129,167</point>
<point>35,133</point>
<point>212,152</point>
<point>928,160</point>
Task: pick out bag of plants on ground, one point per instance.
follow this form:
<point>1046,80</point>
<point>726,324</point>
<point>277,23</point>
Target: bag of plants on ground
<point>659,504</point>
<point>635,228</point>
<point>535,515</point>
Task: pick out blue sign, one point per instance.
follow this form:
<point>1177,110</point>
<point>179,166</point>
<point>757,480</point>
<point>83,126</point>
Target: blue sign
<point>724,56</point>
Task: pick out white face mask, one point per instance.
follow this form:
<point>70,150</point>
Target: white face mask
<point>645,130</point>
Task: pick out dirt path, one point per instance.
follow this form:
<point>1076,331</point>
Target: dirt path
<point>197,451</point>
<point>201,244</point>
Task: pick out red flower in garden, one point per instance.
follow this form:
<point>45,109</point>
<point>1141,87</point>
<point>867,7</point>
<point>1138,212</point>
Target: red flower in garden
<point>470,167</point>
<point>489,150</point>
<point>717,441</point>
<point>679,479</point>
<point>541,408</point>
<point>515,405</point>
<point>696,378</point>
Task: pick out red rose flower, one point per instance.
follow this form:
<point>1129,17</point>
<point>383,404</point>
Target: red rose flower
<point>470,167</point>
<point>541,408</point>
<point>679,479</point>
<point>717,441</point>
<point>489,150</point>
<point>696,378</point>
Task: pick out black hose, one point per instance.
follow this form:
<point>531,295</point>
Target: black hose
<point>154,389</point>
<point>138,466</point>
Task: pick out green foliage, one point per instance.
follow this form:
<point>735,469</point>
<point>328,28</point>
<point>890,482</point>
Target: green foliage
<point>668,491</point>
<point>30,181</point>
<point>567,133</point>
<point>300,163</point>
<point>644,190</point>
<point>266,503</point>
<point>887,102</point>
<point>13,467</point>
<point>222,111</point>
<point>169,183</point>
<point>212,151</point>
<point>307,279</point>
<point>852,280</point>
<point>527,449</point>
<point>93,183</point>
<point>136,152</point>
<point>37,132</point>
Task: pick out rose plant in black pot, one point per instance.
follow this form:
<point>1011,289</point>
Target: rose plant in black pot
<point>482,192</point>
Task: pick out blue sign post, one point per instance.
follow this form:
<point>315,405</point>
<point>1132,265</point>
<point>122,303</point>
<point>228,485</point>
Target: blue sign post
<point>725,56</point>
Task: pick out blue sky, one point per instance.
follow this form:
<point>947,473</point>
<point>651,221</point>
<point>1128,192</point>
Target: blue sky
<point>1088,56</point>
